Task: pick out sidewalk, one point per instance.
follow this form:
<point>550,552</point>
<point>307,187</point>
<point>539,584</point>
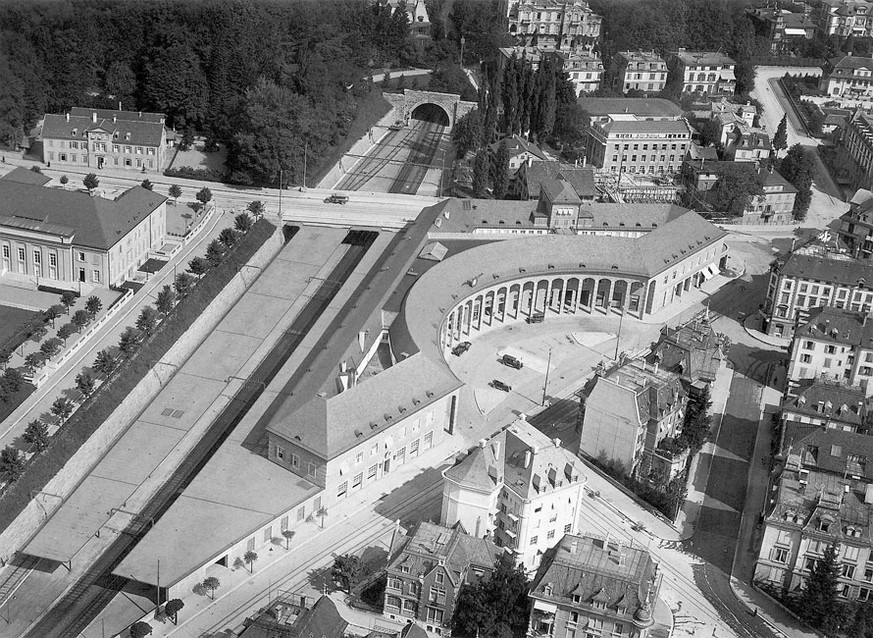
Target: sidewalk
<point>775,342</point>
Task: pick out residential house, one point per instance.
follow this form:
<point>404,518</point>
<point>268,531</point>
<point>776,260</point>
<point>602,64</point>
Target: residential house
<point>826,404</point>
<point>855,148</point>
<point>705,72</point>
<point>530,176</point>
<point>811,277</point>
<point>558,23</point>
<point>427,569</point>
<point>584,68</point>
<point>692,350</point>
<point>780,26</point>
<point>640,71</point>
<point>68,238</point>
<point>748,146</point>
<point>821,495</point>
<point>416,16</point>
<point>845,17</point>
<point>520,151</point>
<point>518,486</point>
<point>849,77</point>
<point>286,619</point>
<point>836,344</point>
<point>856,225</point>
<point>596,586</point>
<point>105,138</point>
<point>633,413</point>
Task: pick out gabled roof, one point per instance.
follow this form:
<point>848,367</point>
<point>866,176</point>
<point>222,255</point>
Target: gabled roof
<point>22,175</point>
<point>837,325</point>
<point>843,271</point>
<point>581,179</point>
<point>516,145</point>
<point>146,129</point>
<point>97,222</point>
<point>558,191</point>
<point>639,106</point>
<point>836,452</point>
<point>846,64</point>
<point>829,401</point>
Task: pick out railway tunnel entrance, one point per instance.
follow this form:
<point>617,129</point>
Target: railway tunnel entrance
<point>431,113</point>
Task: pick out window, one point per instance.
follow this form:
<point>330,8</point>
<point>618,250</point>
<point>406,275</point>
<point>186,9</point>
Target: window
<point>37,257</point>
<point>779,555</point>
<point>567,528</point>
<point>428,440</point>
<point>374,450</point>
<point>395,583</point>
<point>81,256</point>
<point>533,540</point>
<point>863,594</point>
<point>440,577</point>
<point>310,469</point>
<point>550,534</point>
<point>115,149</point>
<point>830,350</point>
<point>434,615</point>
<point>371,472</point>
<point>359,458</point>
<point>280,452</point>
<point>808,345</point>
<point>849,571</point>
<point>295,461</point>
<point>95,276</point>
<point>413,449</point>
<point>301,513</point>
<point>250,544</point>
<point>805,358</point>
<point>618,629</point>
<point>356,482</point>
<point>343,489</point>
<point>268,534</point>
<point>437,595</point>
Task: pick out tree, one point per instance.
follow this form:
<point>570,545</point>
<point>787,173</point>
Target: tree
<point>172,608</point>
<point>34,360</point>
<point>66,331</point>
<point>198,266</point>
<point>204,195</point>
<point>10,383</point>
<point>51,347</point>
<point>496,608</point>
<point>129,340</point>
<point>68,299</point>
<point>91,182</point>
<point>175,192</point>
<point>500,171</point>
<point>480,173</point>
<point>861,625</point>
<point>175,83</point>
<point>256,208</point>
<point>105,363</point>
<point>183,284</point>
<point>250,557</point>
<point>737,186</point>
<point>64,181</point>
<point>5,357</point>
<point>211,583</point>
<point>62,408</point>
<point>53,312</point>
<point>166,300</point>
<point>36,169</point>
<point>85,383</point>
<point>468,133</point>
<point>242,223</point>
<point>228,237</point>
<point>147,320</point>
<point>93,305</point>
<point>38,332</point>
<point>140,629</point>
<point>11,464</point>
<point>147,184</point>
<point>215,252</point>
<point>710,133</point>
<point>346,570</point>
<point>798,168</point>
<point>287,534</point>
<point>697,423</point>
<point>80,319</point>
<point>780,139</point>
<point>819,602</point>
<point>36,435</point>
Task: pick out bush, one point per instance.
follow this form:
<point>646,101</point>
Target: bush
<point>206,174</point>
<point>97,408</point>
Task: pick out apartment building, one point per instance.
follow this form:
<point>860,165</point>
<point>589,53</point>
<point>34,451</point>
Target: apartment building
<point>836,344</point>
<point>826,404</point>
<point>692,350</point>
<point>748,146</point>
<point>822,495</point>
<point>596,586</point>
<point>848,76</point>
<point>705,72</point>
<point>636,135</point>
<point>519,486</point>
<point>69,238</point>
<point>520,151</point>
<point>639,70</point>
<point>855,148</point>
<point>559,23</point>
<point>105,138</point>
<point>633,414</point>
<point>427,569</point>
<point>855,229</point>
<point>583,67</point>
<point>845,17</point>
<point>781,27</point>
<point>811,277</point>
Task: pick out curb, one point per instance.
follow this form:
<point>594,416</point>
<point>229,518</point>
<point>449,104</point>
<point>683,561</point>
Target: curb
<point>752,333</point>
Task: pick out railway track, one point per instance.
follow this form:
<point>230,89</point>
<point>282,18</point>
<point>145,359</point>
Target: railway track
<point>74,611</point>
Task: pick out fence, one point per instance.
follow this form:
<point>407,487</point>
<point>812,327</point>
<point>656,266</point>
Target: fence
<point>191,234</point>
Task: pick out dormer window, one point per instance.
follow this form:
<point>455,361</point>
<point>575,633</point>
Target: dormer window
<point>75,131</point>
<point>824,525</point>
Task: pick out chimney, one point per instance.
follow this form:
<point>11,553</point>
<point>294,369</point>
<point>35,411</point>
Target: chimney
<point>527,457</point>
<point>113,118</point>
<point>556,442</point>
<point>119,105</point>
<point>482,443</point>
<point>140,113</point>
<point>68,117</point>
<point>94,117</point>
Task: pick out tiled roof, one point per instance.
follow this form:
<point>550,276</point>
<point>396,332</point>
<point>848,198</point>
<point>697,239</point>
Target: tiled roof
<point>596,569</point>
<point>144,128</point>
<point>654,390</point>
<point>829,450</point>
<point>657,126</point>
<point>518,145</point>
<point>842,271</point>
<point>559,192</point>
<point>640,106</point>
<point>536,173</point>
<point>846,64</point>
<point>704,57</point>
<point>692,350</point>
<point>832,401</point>
<point>25,176</point>
<point>582,180</point>
<point>98,223</point>
<point>837,325</point>
<point>642,217</point>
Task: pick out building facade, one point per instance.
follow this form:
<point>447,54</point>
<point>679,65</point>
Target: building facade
<point>427,570</point>
<point>521,151</point>
<point>583,67</point>
<point>633,414</point>
<point>692,350</point>
<point>595,586</point>
<point>639,70</point>
<point>66,238</point>
<point>560,23</point>
<point>104,138</point>
<point>748,146</point>
<point>827,404</point>
<point>855,229</point>
<point>520,487</point>
<point>848,76</point>
<point>705,72</point>
<point>845,17</point>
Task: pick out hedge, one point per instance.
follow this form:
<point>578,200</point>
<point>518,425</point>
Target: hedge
<point>96,409</point>
<point>24,331</point>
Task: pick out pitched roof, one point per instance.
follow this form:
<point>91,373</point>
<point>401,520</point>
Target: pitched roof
<point>833,401</point>
<point>322,621</point>
<point>536,173</point>
<point>516,145</point>
<point>645,126</point>
<point>559,191</point>
<point>704,57</point>
<point>820,268</point>
<point>143,128</point>
<point>640,106</point>
<point>97,222</point>
<point>846,64</point>
<point>582,180</point>
<point>22,175</point>
<point>829,450</point>
<point>692,350</point>
<point>837,325</point>
<point>654,390</point>
<point>642,217</point>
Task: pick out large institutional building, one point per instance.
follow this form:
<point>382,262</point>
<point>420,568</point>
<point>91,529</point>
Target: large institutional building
<point>559,23</point>
<point>104,138</point>
<point>705,72</point>
<point>66,238</point>
<point>640,71</point>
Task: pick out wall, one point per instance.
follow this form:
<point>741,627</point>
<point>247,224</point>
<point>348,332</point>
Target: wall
<point>468,507</point>
<point>64,483</point>
<point>335,174</point>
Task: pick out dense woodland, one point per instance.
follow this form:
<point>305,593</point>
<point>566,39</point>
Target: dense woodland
<point>267,77</point>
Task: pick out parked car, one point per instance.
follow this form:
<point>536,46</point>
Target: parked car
<point>536,317</point>
<point>512,362</point>
<point>395,127</point>
<point>461,348</point>
<point>336,199</point>
<point>499,385</point>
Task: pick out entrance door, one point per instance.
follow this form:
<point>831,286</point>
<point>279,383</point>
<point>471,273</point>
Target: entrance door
<point>81,274</point>
<point>386,466</point>
<point>100,161</point>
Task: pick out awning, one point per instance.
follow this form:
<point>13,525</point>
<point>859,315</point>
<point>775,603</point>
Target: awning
<point>796,32</point>
<point>728,74</point>
<point>544,606</point>
<point>709,272</point>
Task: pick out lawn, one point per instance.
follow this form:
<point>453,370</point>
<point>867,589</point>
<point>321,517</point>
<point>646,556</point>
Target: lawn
<point>11,319</point>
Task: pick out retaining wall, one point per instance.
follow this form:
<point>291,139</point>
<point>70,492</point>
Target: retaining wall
<point>28,523</point>
<point>335,174</point>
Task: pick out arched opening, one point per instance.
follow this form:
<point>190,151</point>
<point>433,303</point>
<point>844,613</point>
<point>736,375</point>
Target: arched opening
<point>429,112</point>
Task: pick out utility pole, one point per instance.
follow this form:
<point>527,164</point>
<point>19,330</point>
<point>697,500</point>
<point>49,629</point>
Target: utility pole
<point>305,151</point>
<point>546,382</point>
<point>618,336</point>
<point>280,193</point>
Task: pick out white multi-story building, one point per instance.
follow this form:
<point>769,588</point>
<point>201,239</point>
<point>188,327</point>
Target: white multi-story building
<point>849,76</point>
<point>639,70</point>
<point>846,17</point>
<point>705,71</point>
<point>556,22</point>
<point>521,487</point>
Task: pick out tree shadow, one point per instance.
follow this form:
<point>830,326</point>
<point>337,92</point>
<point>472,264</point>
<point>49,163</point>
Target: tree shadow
<point>320,579</point>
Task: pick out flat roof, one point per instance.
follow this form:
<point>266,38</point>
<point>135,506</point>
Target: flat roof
<point>642,106</point>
